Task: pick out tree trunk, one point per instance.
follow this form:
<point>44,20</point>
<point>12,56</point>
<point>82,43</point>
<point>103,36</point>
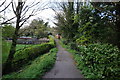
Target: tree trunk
<point>7,67</point>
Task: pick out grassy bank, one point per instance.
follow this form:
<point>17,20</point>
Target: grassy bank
<point>38,67</point>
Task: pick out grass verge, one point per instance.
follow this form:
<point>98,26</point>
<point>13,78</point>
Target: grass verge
<point>38,67</point>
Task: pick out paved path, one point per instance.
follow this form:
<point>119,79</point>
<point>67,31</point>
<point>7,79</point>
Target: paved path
<point>64,66</point>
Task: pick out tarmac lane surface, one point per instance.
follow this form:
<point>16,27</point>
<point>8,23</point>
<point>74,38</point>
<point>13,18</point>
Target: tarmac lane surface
<point>64,66</point>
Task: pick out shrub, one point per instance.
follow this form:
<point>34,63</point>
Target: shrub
<point>74,46</point>
<point>99,61</point>
<point>82,40</point>
<point>29,53</point>
<point>65,41</point>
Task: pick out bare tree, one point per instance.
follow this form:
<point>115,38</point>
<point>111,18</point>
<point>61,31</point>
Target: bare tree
<point>5,6</point>
<point>3,3</point>
<point>22,13</point>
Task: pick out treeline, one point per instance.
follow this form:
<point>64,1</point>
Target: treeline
<point>85,23</point>
<point>37,28</point>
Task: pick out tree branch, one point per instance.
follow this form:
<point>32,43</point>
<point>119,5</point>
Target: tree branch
<point>6,7</point>
<point>6,22</point>
<point>102,9</point>
<point>13,8</point>
<point>3,3</point>
<point>25,20</point>
<point>22,31</point>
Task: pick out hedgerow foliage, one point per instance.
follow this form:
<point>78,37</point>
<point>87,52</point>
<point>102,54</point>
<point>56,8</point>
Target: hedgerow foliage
<point>99,61</point>
<point>30,53</point>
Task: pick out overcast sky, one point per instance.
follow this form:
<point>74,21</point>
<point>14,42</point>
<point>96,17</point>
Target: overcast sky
<point>47,14</point>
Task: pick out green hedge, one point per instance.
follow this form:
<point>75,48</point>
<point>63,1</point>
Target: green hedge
<point>37,69</point>
<point>99,61</point>
<point>30,53</point>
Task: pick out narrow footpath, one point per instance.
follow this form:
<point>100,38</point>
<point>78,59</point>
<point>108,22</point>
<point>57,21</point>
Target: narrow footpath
<point>64,66</point>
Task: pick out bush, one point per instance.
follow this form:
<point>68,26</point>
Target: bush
<point>66,41</point>
<point>37,69</point>
<point>99,61</point>
<point>74,46</point>
<point>30,53</point>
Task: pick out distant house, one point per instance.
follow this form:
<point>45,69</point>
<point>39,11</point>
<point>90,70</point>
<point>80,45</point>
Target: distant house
<point>30,40</point>
<point>25,40</point>
<point>23,37</point>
